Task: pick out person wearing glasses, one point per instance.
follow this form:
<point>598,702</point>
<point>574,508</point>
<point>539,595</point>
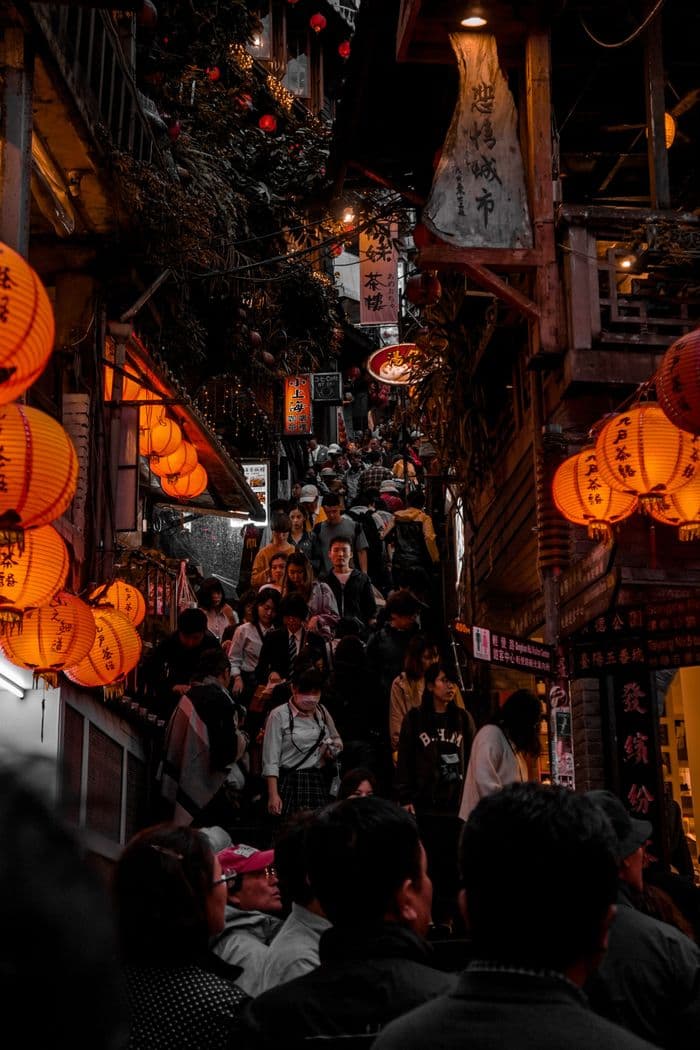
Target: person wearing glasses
<point>170,899</point>
<point>253,912</point>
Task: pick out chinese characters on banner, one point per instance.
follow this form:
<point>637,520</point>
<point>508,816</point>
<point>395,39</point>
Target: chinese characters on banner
<point>297,406</point>
<point>631,701</point>
<point>379,282</point>
<point>478,197</point>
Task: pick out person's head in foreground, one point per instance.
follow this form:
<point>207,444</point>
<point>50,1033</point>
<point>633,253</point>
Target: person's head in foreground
<point>367,865</point>
<point>539,875</point>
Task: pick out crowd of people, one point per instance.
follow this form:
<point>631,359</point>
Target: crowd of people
<point>336,840</point>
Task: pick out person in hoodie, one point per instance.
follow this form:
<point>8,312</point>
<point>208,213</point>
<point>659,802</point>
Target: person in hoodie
<point>434,746</point>
<point>367,869</point>
<point>253,915</point>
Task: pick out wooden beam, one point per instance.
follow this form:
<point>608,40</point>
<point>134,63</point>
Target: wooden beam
<point>505,292</point>
<point>441,256</point>
<point>410,195</point>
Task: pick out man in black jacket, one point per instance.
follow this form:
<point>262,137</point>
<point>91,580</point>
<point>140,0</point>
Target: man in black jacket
<point>352,589</point>
<point>168,669</point>
<point>368,870</point>
<point>282,648</point>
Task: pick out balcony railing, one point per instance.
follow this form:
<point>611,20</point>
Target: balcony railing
<point>632,279</point>
<point>86,47</point>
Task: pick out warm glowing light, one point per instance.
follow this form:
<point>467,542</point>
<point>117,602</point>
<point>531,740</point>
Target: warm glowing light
<point>473,22</point>
<point>348,216</point>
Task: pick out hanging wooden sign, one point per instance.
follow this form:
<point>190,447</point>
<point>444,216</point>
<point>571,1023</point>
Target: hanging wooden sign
<point>478,197</point>
<point>379,283</point>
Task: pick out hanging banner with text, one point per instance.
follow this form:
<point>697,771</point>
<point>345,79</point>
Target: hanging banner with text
<point>297,406</point>
<point>379,279</point>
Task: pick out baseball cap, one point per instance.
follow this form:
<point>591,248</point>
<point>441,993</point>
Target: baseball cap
<point>243,859</point>
<point>630,833</point>
<point>389,486</point>
<point>327,472</point>
<point>335,449</point>
<point>309,493</point>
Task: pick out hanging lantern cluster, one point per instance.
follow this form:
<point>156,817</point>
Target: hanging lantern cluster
<point>648,455</point>
<point>172,459</point>
<point>123,597</point>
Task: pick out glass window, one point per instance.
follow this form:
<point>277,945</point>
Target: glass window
<point>296,78</point>
<point>261,45</point>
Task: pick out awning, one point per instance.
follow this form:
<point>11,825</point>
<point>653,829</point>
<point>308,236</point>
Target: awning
<point>227,491</point>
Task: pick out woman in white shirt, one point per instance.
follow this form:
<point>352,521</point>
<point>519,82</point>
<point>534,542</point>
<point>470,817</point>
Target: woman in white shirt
<point>244,652</point>
<point>212,601</point>
<point>501,749</point>
<point>300,737</point>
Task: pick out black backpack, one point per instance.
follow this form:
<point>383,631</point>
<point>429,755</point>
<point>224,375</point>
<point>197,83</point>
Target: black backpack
<point>375,543</point>
<point>410,548</point>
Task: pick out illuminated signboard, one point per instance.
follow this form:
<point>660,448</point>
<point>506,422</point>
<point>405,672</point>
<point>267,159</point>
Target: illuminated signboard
<point>297,406</point>
<point>394,364</point>
<point>257,474</point>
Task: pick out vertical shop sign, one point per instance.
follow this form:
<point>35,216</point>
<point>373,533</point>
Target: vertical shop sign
<point>379,281</point>
<point>631,696</point>
<point>561,734</point>
<point>297,406</point>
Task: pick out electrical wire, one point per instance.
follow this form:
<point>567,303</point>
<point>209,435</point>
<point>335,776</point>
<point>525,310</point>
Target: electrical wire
<point>633,36</point>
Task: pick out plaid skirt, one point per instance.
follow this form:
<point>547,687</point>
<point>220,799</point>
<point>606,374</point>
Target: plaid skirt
<point>302,789</point>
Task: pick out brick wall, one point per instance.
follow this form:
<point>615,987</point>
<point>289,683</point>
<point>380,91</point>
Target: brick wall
<point>588,734</point>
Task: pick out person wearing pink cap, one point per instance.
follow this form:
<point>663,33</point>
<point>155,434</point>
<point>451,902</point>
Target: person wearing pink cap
<point>253,912</point>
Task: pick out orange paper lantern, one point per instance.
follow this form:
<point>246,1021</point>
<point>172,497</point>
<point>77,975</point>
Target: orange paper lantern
<point>115,651</point>
<point>642,453</point>
<point>38,471</point>
<point>26,325</point>
<point>678,382</point>
<point>54,636</point>
<point>188,487</point>
<point>681,509</point>
<point>123,597</point>
<point>179,463</point>
<point>33,575</point>
<point>161,439</point>
<point>131,386</point>
<point>583,498</point>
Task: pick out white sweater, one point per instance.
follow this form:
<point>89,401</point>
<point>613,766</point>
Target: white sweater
<point>493,763</point>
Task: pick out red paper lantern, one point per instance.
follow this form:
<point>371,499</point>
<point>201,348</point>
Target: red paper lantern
<point>678,382</point>
<point>174,130</point>
<point>318,22</point>
<point>53,636</point>
<point>115,651</point>
<point>641,452</point>
<point>268,123</point>
<point>344,49</point>
<point>336,249</point>
<point>214,73</point>
<point>583,498</point>
<point>423,289</point>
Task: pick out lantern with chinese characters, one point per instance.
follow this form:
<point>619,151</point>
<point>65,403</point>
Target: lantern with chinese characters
<point>115,651</point>
<point>26,325</point>
<point>123,597</point>
<point>681,509</point>
<point>268,123</point>
<point>179,463</point>
<point>189,486</point>
<point>53,637</point>
<point>318,22</point>
<point>678,382</point>
<point>161,439</point>
<point>38,471</point>
<point>642,453</point>
<point>583,498</point>
<point>33,575</point>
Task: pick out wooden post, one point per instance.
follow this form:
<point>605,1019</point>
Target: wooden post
<point>17,64</point>
<point>547,336</point>
<point>659,185</point>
